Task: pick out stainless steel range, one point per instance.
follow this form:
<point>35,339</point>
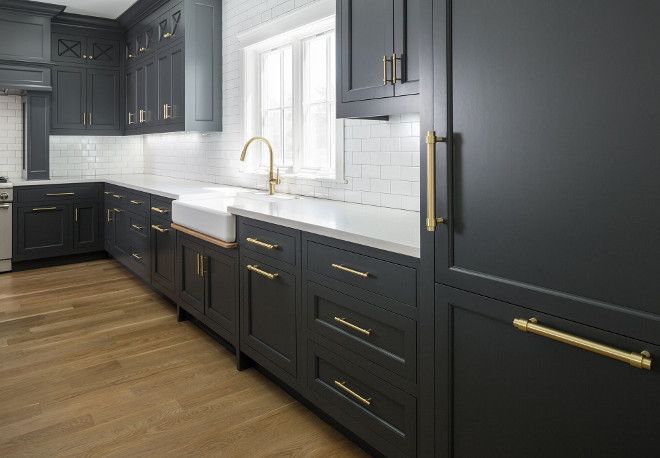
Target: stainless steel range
<point>6,198</point>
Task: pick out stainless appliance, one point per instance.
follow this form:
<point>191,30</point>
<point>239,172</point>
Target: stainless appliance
<point>6,198</point>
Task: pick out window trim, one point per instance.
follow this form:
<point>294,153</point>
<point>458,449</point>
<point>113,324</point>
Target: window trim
<point>316,21</point>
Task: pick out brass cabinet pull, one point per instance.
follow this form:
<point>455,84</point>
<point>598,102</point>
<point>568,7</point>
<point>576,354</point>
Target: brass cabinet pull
<point>385,79</point>
<point>44,209</point>
<point>75,214</point>
<point>136,202</point>
<point>117,210</point>
<point>343,387</point>
<point>200,265</point>
<point>268,246</point>
<point>84,56</point>
<point>108,218</point>
<point>129,118</point>
<point>342,320</point>
<point>142,49</point>
<point>90,119</point>
<point>640,360</point>
<point>431,220</point>
<point>167,114</point>
<point>84,119</point>
<point>58,194</point>
<point>167,35</point>
<point>395,78</point>
<point>141,118</point>
<point>137,256</point>
<point>137,227</point>
<point>107,193</point>
<point>197,254</point>
<point>350,271</point>
<point>159,210</point>
<point>263,273</point>
<point>117,196</point>
<point>158,228</point>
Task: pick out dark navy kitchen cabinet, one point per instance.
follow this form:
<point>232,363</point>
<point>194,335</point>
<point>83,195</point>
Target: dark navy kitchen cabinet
<point>103,98</point>
<point>42,231</point>
<point>69,99</point>
<point>377,57</point>
<point>163,247</point>
<point>87,225</point>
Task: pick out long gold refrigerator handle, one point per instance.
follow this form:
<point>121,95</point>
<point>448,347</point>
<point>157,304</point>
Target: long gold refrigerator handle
<point>431,220</point>
<point>640,360</point>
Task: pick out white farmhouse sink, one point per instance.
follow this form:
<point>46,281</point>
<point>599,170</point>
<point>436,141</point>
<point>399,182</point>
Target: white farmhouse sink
<point>207,213</point>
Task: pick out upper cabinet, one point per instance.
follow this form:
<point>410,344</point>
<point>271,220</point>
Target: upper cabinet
<point>25,31</point>
<point>84,50</point>
<point>377,57</point>
<point>174,82</point>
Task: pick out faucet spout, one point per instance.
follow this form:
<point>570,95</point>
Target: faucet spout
<point>273,180</point>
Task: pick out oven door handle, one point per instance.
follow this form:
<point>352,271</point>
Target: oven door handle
<point>5,206</point>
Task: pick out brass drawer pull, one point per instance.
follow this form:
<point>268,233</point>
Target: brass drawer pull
<point>159,210</point>
<point>431,220</point>
<point>58,194</point>
<point>640,360</point>
<point>351,271</point>
<point>44,209</point>
<point>117,210</point>
<point>137,256</point>
<point>263,273</point>
<point>136,202</point>
<point>107,193</point>
<point>137,227</point>
<point>343,387</point>
<point>268,246</point>
<point>117,196</point>
<point>159,228</point>
<point>108,218</point>
<point>342,320</point>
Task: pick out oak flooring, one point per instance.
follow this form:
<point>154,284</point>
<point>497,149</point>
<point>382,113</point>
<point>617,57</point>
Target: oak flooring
<point>93,363</point>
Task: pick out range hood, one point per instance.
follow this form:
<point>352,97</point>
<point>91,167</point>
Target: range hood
<point>17,78</point>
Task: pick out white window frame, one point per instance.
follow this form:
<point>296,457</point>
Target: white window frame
<point>302,24</point>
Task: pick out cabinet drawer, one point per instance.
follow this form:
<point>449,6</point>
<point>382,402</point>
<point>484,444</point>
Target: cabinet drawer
<point>161,207</point>
<point>115,196</point>
<point>138,226</point>
<point>137,202</point>
<point>376,411</point>
<point>38,194</point>
<point>382,277</point>
<point>508,382</point>
<point>383,337</point>
<point>138,257</point>
<point>271,243</point>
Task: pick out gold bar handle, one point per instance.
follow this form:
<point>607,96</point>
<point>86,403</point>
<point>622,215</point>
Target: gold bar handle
<point>117,196</point>
<point>342,320</point>
<point>159,210</point>
<point>137,256</point>
<point>166,111</point>
<point>343,387</point>
<point>431,220</point>
<point>159,228</point>
<point>129,118</point>
<point>107,193</point>
<point>44,209</point>
<point>385,80</point>
<point>136,202</point>
<point>117,210</point>
<point>268,246</point>
<point>396,78</point>
<point>75,214</point>
<point>350,271</point>
<point>90,118</point>
<point>58,194</point>
<point>640,360</point>
<point>197,254</point>
<point>108,218</point>
<point>263,273</point>
<point>137,227</point>
<point>84,119</point>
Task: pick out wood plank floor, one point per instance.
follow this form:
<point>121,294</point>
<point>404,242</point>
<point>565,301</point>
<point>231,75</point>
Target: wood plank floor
<point>93,363</point>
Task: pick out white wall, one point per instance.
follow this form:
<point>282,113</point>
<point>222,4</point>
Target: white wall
<point>381,157</point>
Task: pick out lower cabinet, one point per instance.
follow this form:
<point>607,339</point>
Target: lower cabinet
<point>269,314</point>
<point>56,220</point>
<point>207,284</point>
<point>504,392</point>
<point>163,255</point>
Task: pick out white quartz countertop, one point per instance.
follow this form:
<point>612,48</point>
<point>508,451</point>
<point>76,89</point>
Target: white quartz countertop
<point>383,228</point>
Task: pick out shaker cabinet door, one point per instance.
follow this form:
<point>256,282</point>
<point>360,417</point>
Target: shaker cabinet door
<point>549,182</point>
<point>102,99</point>
<point>86,226</point>
<point>366,35</point>
<point>163,255</point>
<point>521,394</point>
<point>42,231</point>
<point>221,289</point>
<point>69,95</point>
<point>190,273</point>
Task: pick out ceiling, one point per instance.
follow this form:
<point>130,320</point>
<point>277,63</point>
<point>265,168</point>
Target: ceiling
<point>101,8</point>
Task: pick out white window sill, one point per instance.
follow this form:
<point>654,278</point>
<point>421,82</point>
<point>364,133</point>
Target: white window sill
<point>297,176</point>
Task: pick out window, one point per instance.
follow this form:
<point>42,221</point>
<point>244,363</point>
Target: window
<point>290,100</point>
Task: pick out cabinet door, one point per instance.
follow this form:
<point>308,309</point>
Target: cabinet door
<point>102,99</point>
<point>170,25</point>
<point>176,113</point>
<point>547,202</point>
<point>129,50</point>
<point>221,303</point>
<point>68,48</point>
<point>151,92</point>
<point>43,231</point>
<point>121,226</point>
<point>366,36</point>
<point>109,226</point>
<point>132,114</point>
<point>86,226</point>
<point>163,255</point>
<point>164,69</point>
<point>141,93</point>
<point>68,107</point>
<point>103,51</point>
<point>268,313</point>
<point>406,46</point>
<point>189,273</point>
<point>517,394</point>
<point>146,43</point>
